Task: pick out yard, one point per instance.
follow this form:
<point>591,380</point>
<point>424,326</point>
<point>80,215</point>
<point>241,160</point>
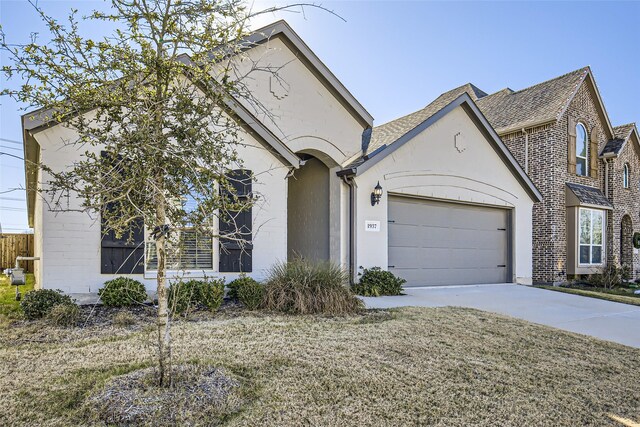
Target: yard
<point>9,307</point>
<point>412,366</point>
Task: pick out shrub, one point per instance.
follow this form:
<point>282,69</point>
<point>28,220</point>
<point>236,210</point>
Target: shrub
<point>122,292</point>
<point>303,287</point>
<point>123,318</point>
<point>66,314</point>
<point>234,285</point>
<point>612,275</point>
<point>37,304</point>
<point>250,294</point>
<point>193,294</point>
<point>375,282</point>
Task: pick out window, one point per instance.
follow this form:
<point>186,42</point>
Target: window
<point>582,150</point>
<point>185,249</point>
<point>591,232</point>
<point>625,176</point>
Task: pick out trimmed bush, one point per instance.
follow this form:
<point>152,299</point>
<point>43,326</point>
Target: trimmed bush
<point>234,285</point>
<point>251,294</point>
<point>66,314</point>
<point>39,303</point>
<point>195,294</point>
<point>375,282</point>
<point>303,287</point>
<point>122,292</point>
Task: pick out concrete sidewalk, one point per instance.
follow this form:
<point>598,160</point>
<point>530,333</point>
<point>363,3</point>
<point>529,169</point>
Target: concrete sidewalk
<point>602,319</point>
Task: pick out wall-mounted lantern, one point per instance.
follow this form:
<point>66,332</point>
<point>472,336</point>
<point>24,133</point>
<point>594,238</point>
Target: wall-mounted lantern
<point>376,195</point>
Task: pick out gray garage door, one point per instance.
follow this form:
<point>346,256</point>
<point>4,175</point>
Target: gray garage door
<point>437,243</point>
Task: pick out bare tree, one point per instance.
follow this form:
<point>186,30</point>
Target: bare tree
<point>146,105</point>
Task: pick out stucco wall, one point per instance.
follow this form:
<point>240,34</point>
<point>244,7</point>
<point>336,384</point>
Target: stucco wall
<point>304,113</point>
<point>70,241</point>
<point>432,166</point>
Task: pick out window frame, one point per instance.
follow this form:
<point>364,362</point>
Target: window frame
<point>173,270</point>
<point>591,245</point>
<point>626,176</point>
<point>586,150</point>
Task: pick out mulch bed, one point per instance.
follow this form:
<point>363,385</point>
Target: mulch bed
<point>197,394</point>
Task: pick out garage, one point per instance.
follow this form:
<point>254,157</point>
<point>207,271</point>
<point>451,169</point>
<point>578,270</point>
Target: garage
<point>435,243</point>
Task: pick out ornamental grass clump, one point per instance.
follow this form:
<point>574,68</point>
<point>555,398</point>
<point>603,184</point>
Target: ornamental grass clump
<point>67,314</point>
<point>304,287</point>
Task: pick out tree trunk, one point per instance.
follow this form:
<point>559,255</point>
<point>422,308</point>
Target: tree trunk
<point>164,336</point>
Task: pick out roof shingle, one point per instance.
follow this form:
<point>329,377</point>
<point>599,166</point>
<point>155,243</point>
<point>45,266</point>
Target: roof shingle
<point>542,102</point>
<point>621,134</point>
<point>505,109</point>
<point>589,195</point>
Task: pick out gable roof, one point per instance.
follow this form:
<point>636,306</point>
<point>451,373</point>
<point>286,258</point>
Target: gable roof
<point>545,102</point>
<point>390,132</point>
<point>621,134</point>
<point>313,63</point>
<point>417,122</point>
<point>538,103</point>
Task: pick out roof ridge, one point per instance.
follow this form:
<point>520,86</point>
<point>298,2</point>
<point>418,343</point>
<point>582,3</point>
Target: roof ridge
<point>469,84</point>
<point>579,70</point>
<point>625,125</point>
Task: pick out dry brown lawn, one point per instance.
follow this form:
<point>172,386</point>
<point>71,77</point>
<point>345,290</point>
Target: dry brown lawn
<point>413,366</point>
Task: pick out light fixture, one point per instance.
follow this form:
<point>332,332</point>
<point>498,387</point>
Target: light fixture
<point>376,195</point>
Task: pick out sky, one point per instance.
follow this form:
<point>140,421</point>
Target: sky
<point>395,57</point>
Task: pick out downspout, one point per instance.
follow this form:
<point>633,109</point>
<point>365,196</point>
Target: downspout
<point>606,178</point>
<point>352,226</point>
<point>526,151</point>
<point>606,158</point>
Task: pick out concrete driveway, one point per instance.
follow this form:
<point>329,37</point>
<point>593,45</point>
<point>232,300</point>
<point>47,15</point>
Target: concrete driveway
<point>602,319</point>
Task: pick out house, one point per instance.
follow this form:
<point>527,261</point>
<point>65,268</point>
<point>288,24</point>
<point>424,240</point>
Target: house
<point>587,171</point>
<point>438,199</point>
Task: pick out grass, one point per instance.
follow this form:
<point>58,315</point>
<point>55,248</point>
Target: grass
<point>9,307</point>
<point>412,366</point>
<point>600,293</point>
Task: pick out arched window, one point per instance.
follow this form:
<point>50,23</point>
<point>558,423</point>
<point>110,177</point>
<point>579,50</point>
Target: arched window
<point>582,150</point>
<point>625,176</point>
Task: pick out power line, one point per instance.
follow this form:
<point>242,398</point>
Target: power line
<point>11,140</point>
<point>10,155</point>
<point>10,148</point>
<point>16,199</point>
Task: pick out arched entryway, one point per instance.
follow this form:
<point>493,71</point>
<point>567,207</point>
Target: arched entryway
<point>626,241</point>
<point>308,232</point>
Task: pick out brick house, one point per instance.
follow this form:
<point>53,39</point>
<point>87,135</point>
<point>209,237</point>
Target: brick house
<point>587,171</point>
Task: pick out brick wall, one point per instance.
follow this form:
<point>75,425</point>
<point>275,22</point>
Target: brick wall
<point>547,167</point>
<point>626,201</point>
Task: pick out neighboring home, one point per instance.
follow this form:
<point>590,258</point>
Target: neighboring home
<point>452,206</point>
<point>587,170</point>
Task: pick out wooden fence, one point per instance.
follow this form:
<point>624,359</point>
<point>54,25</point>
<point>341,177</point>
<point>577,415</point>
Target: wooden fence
<point>14,245</point>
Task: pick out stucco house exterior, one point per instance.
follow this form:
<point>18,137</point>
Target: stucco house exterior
<point>454,206</point>
<point>587,171</point>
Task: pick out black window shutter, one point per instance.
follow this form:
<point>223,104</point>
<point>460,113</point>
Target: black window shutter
<point>236,250</point>
<point>126,254</point>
